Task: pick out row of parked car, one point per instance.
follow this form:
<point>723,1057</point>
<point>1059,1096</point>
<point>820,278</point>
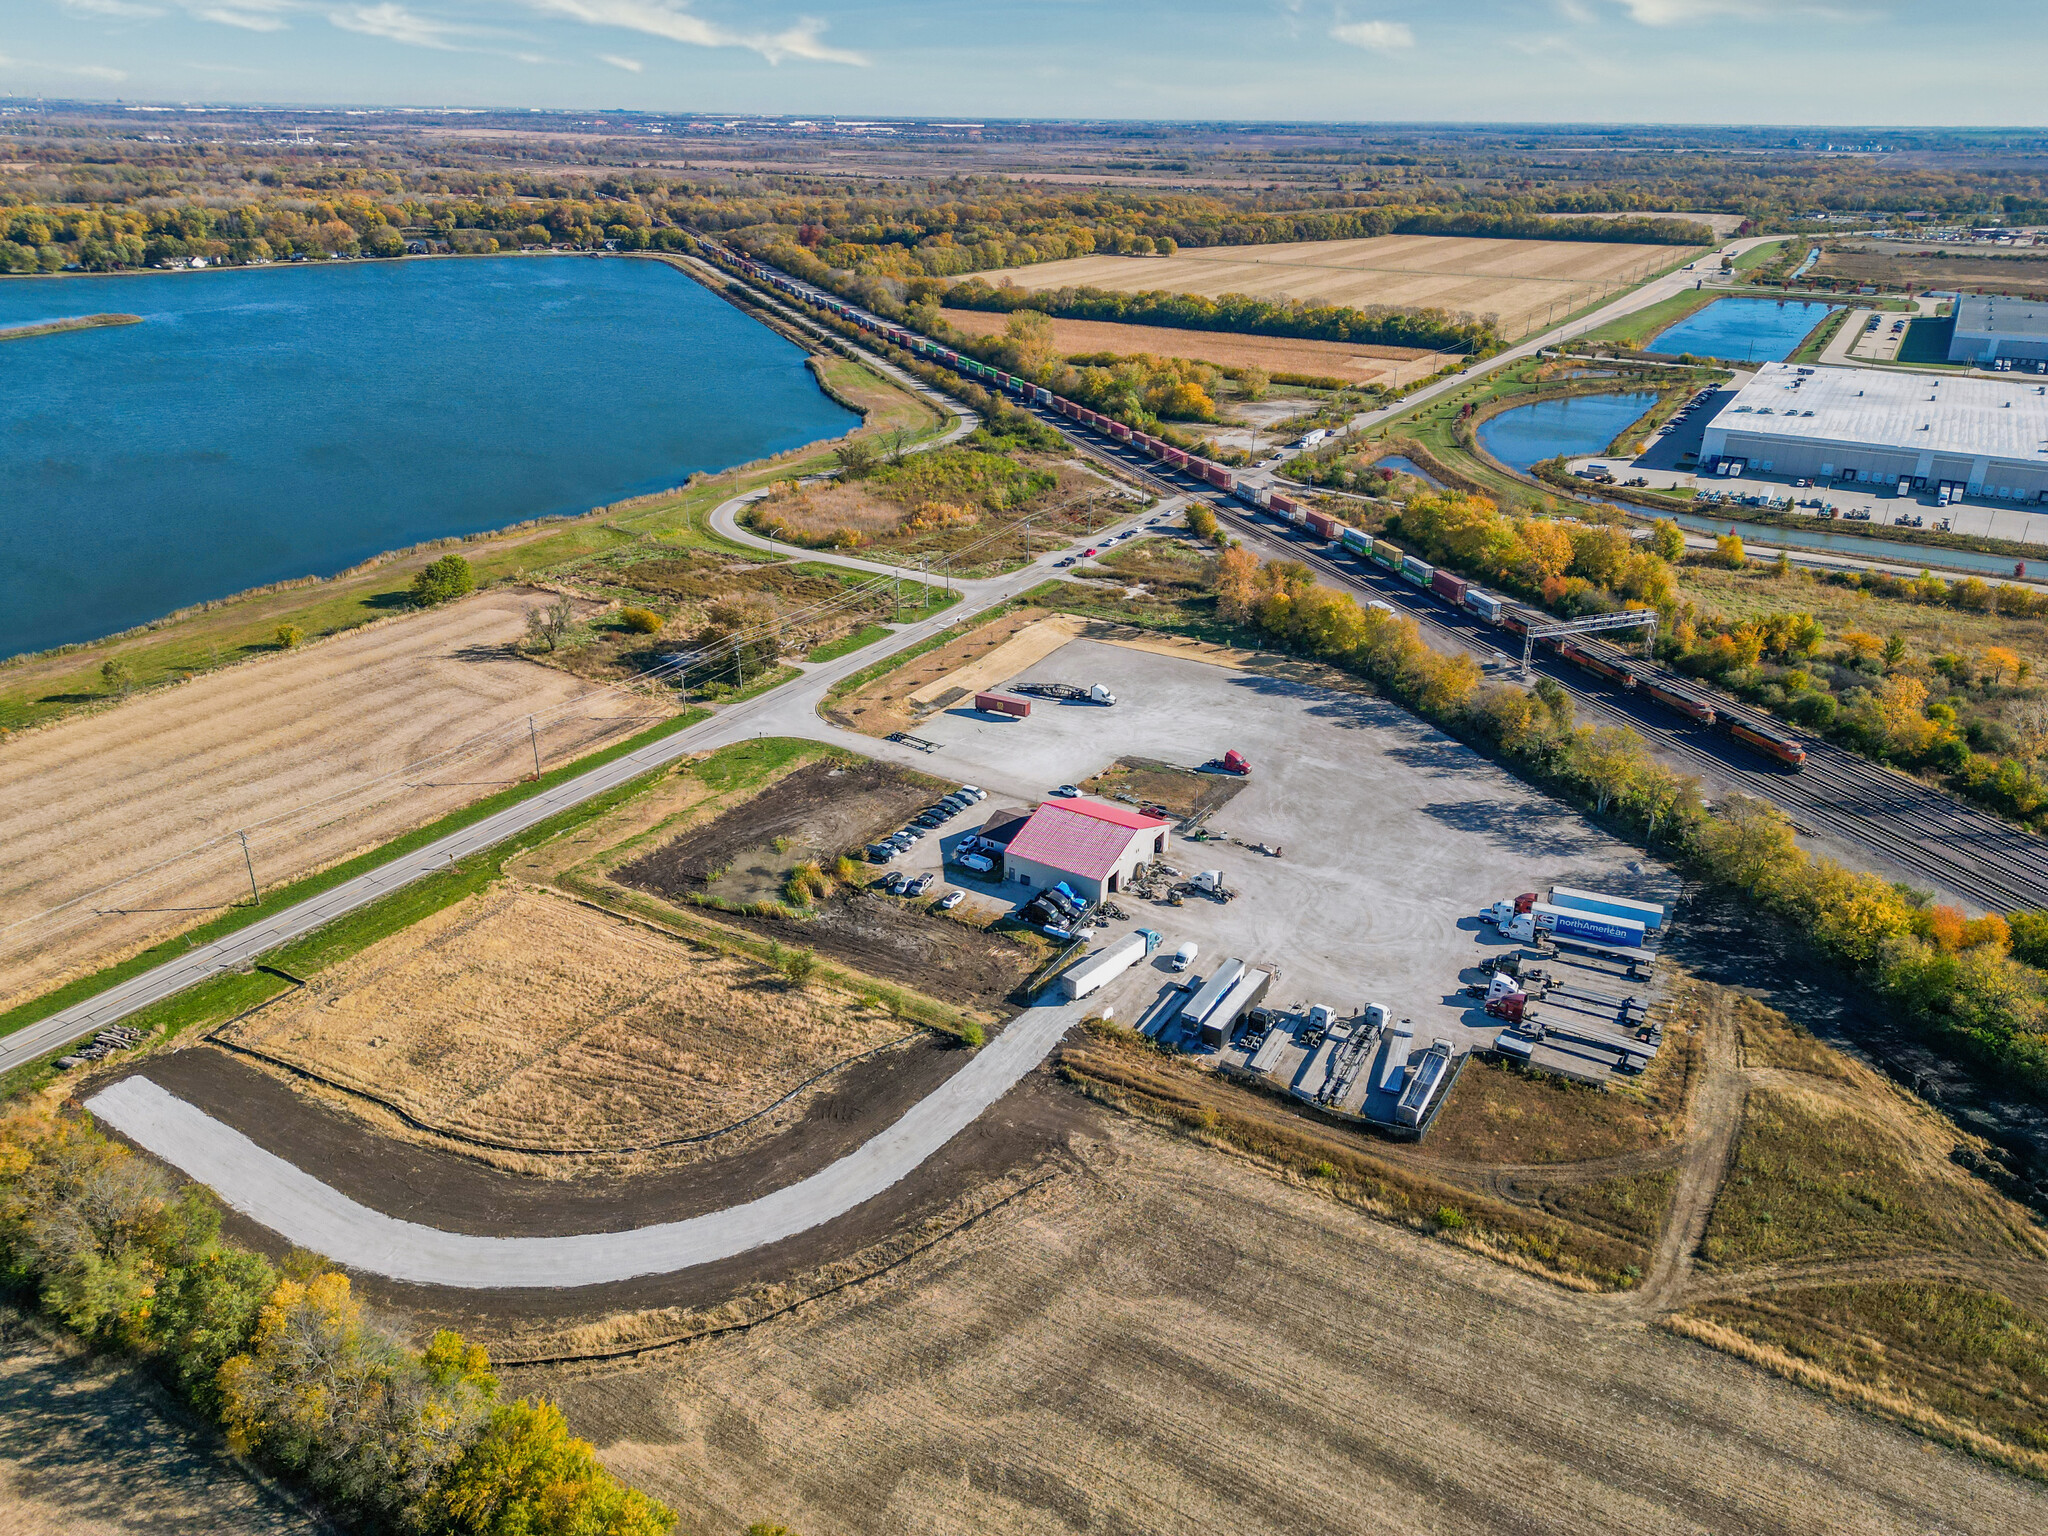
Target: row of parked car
<point>929,819</point>
<point>910,887</point>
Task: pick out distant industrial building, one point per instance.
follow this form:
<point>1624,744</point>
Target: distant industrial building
<point>1094,848</point>
<point>1883,427</point>
<point>1992,327</point>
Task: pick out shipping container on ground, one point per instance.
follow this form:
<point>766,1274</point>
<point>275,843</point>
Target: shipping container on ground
<point>1001,704</point>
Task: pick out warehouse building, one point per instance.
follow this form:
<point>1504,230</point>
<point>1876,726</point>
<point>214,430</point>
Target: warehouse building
<point>1094,848</point>
<point>1882,427</point>
<point>1993,327</point>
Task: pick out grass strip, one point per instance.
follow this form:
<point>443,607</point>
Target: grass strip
<point>80,323</point>
<point>846,645</point>
<point>239,917</point>
<point>910,653</point>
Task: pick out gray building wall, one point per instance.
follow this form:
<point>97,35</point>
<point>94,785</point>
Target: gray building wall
<point>1796,458</point>
<point>1988,346</point>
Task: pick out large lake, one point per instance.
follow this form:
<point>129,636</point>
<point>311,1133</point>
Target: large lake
<point>269,423</point>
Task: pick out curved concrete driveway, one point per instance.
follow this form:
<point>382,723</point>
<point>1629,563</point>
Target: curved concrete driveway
<point>297,1206</point>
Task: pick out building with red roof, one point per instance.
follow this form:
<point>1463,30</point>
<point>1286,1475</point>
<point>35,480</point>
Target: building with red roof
<point>1095,848</point>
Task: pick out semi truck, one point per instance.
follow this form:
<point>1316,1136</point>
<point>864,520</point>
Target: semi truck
<point>1648,913</point>
<point>1564,923</point>
<point>1068,693</point>
<point>1078,980</point>
<point>1002,704</point>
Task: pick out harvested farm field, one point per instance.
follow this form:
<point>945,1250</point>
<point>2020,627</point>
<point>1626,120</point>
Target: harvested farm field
<point>306,749</point>
<point>1117,1352</point>
<point>1520,282</point>
<point>528,1022</point>
<point>1359,363</point>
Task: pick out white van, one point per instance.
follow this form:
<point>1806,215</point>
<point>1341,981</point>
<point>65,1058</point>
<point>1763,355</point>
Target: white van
<point>1185,956</point>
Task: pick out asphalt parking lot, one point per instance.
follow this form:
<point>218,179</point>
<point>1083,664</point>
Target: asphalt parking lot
<point>1392,834</point>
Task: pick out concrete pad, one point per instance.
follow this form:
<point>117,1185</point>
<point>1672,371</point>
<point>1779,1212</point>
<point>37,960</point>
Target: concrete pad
<point>1393,834</point>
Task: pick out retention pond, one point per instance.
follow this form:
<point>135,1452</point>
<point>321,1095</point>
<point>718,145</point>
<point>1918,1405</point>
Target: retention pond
<point>1743,330</point>
<point>1572,425</point>
<point>262,424</point>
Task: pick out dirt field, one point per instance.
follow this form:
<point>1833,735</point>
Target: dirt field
<point>88,1449</point>
<point>1392,366</point>
<point>529,1022</point>
<point>1118,1356</point>
<point>304,749</point>
<point>1918,268</point>
<point>886,704</point>
<point>1518,281</point>
<point>1141,781</point>
<point>734,859</point>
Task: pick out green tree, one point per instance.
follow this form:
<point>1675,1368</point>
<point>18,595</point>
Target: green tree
<point>447,578</point>
<point>1894,651</point>
<point>1202,522</point>
<point>289,636</point>
<point>1254,382</point>
<point>1667,540</point>
<point>526,1475</point>
<point>857,458</point>
<point>641,621</point>
<point>117,674</point>
<point>1610,760</point>
<point>205,1313</point>
<point>547,627</point>
<point>1729,551</point>
<point>798,966</point>
<point>1750,844</point>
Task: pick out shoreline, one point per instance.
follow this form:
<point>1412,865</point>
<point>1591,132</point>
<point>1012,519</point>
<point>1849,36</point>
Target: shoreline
<point>56,327</point>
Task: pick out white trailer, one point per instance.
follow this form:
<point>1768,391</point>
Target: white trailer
<point>1209,996</point>
<point>1400,1038</point>
<point>1431,1068</point>
<point>1083,977</point>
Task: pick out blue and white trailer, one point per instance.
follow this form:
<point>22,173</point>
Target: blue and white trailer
<point>1648,913</point>
<point>1360,544</point>
<point>1619,932</point>
<point>1421,572</point>
<point>1483,604</point>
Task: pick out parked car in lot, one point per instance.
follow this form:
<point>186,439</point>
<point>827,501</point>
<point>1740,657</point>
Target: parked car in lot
<point>972,792</point>
<point>912,833</point>
<point>980,863</point>
<point>920,885</point>
<point>1066,792</point>
<point>882,853</point>
<point>893,884</point>
<point>949,901</point>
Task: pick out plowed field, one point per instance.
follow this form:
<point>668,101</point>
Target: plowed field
<point>306,749</point>
<point>1522,282</point>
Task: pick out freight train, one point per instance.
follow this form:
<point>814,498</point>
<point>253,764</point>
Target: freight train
<point>1453,591</point>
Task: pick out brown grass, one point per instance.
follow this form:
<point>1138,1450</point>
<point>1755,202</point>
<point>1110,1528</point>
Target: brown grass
<point>1358,364</point>
<point>1504,1114</point>
<point>1174,1342</point>
<point>520,1017</point>
<point>2024,274</point>
<point>1829,1171</point>
<point>1519,281</point>
<point>1769,1039</point>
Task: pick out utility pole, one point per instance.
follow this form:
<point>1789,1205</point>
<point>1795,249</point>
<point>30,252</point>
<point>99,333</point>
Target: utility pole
<point>255,895</point>
<point>533,732</point>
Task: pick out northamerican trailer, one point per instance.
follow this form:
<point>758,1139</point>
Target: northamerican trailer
<point>1590,927</point>
<point>1648,913</point>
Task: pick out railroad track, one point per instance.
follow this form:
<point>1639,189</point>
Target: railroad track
<point>1917,829</point>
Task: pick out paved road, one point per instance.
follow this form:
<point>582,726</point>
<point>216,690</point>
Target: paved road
<point>791,708</point>
<point>294,1204</point>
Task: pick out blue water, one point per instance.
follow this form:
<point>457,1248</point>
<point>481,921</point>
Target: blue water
<point>1574,426</point>
<point>1743,330</point>
<point>269,423</point>
<point>1407,466</point>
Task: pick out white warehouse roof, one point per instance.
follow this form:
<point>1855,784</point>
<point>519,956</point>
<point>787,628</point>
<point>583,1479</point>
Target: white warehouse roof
<point>1882,408</point>
<point>1995,313</point>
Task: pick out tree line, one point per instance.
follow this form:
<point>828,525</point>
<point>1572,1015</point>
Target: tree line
<point>283,1358</point>
<point>1975,987</point>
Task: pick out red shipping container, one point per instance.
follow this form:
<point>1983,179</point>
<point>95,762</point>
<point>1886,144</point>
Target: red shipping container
<point>1322,525</point>
<point>1448,587</point>
<point>1001,704</point>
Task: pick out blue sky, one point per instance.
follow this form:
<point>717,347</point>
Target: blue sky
<point>1749,61</point>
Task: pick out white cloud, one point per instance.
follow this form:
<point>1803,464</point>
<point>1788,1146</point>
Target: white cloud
<point>1678,13</point>
<point>670,19</point>
<point>76,71</point>
<point>1383,36</point>
<point>124,10</point>
<point>617,61</point>
<point>248,15</point>
<point>398,24</point>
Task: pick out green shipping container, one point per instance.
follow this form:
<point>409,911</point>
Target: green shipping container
<point>1386,554</point>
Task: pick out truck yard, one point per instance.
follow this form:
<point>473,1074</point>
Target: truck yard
<point>1352,910</point>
